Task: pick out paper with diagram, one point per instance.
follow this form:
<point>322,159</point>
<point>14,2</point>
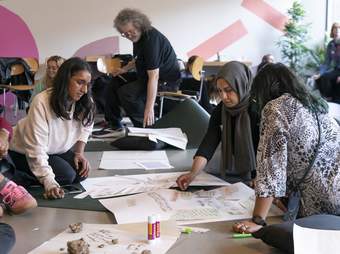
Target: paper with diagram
<point>117,160</point>
<point>232,202</point>
<point>171,136</point>
<point>131,239</point>
<point>102,187</point>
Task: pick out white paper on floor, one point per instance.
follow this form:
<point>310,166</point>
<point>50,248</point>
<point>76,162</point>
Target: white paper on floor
<point>232,202</point>
<point>111,186</point>
<point>116,160</point>
<point>315,241</point>
<point>171,136</point>
<point>131,238</point>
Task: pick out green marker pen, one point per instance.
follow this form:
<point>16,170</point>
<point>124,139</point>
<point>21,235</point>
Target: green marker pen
<point>187,230</point>
<point>237,236</point>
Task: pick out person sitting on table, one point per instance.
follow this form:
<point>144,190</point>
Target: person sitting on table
<point>156,67</point>
<point>295,129</point>
<point>53,64</point>
<point>60,118</point>
<point>238,149</point>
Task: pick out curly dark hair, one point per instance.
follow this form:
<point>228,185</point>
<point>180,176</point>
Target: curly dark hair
<point>85,107</point>
<point>273,80</point>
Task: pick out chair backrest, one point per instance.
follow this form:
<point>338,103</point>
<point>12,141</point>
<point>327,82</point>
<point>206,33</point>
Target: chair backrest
<point>197,72</point>
<point>33,63</point>
<point>91,59</point>
<point>108,65</point>
<point>17,69</point>
<point>196,68</point>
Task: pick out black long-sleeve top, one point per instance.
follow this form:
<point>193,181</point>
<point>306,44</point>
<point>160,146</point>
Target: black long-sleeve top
<point>213,135</point>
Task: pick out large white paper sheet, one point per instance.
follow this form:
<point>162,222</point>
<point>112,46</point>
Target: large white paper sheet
<point>116,160</point>
<point>235,201</point>
<point>131,238</point>
<point>315,241</point>
<point>102,187</point>
<point>171,136</point>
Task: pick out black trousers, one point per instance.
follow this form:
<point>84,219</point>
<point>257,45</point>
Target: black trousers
<point>327,84</point>
<point>7,238</point>
<point>62,165</point>
<point>131,96</point>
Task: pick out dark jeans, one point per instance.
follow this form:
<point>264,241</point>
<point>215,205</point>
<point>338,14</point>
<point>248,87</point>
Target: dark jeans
<point>129,95</point>
<point>327,84</point>
<point>62,165</point>
<point>7,238</point>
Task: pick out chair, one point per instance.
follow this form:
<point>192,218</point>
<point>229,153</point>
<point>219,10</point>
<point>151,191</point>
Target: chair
<point>33,63</point>
<point>108,65</point>
<point>16,69</point>
<point>197,73</point>
<point>190,117</point>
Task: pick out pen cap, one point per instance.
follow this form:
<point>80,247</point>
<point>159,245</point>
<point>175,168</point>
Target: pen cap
<point>151,219</point>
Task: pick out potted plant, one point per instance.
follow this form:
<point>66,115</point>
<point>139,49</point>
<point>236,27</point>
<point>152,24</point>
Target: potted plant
<point>293,50</point>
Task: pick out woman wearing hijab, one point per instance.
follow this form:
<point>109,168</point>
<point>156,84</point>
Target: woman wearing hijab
<point>238,150</point>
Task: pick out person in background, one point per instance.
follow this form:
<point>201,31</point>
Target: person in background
<point>238,134</point>
<point>157,69</point>
<point>268,58</point>
<point>328,82</point>
<point>296,134</point>
<point>53,63</point>
<point>60,118</point>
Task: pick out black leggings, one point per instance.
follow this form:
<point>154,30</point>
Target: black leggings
<point>62,165</point>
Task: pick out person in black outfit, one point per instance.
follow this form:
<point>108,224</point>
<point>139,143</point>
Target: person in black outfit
<point>328,82</point>
<point>156,69</point>
<point>239,134</point>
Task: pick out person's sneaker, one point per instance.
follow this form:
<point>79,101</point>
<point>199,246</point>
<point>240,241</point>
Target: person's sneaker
<point>109,133</point>
<point>16,198</point>
<point>101,124</point>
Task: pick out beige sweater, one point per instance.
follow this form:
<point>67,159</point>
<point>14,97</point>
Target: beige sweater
<point>41,133</point>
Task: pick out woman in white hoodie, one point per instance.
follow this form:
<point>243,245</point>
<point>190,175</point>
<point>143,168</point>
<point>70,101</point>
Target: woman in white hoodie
<point>59,118</point>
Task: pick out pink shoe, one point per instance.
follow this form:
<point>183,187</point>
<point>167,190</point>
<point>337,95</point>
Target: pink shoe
<point>16,198</point>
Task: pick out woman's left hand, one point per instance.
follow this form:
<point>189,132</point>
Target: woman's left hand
<point>246,227</point>
<point>82,164</point>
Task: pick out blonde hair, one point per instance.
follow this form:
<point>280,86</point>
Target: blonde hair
<point>47,81</point>
<point>335,25</point>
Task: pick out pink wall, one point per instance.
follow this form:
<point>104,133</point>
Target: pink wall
<point>106,46</point>
<point>16,38</point>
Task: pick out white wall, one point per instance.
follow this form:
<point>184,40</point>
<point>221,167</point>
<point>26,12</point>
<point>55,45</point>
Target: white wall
<point>63,26</point>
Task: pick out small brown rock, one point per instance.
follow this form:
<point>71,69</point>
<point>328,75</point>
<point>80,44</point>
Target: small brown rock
<point>101,246</point>
<point>146,252</point>
<point>61,249</point>
<point>76,227</point>
<point>78,247</point>
<point>115,241</point>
